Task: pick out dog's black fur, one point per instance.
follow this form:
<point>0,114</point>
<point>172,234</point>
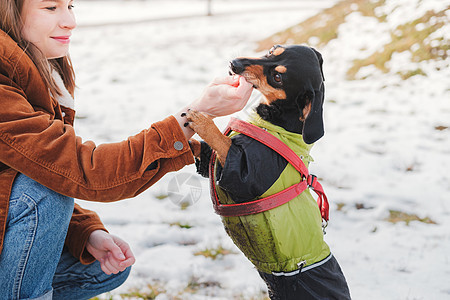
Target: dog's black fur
<point>302,82</point>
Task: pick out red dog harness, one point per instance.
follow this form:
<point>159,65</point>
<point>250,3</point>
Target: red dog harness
<point>280,198</point>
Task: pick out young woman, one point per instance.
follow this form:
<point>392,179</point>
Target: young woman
<point>51,247</point>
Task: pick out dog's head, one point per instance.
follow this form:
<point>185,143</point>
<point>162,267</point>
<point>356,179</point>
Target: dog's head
<point>291,80</point>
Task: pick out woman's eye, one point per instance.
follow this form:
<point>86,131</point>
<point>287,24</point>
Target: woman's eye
<point>52,8</point>
<point>277,77</point>
<point>71,6</point>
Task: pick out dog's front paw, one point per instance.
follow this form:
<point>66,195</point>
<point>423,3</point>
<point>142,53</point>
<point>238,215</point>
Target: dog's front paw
<point>198,121</point>
<point>204,126</point>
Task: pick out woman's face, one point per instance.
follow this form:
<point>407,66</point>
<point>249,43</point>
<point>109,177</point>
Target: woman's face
<point>48,25</point>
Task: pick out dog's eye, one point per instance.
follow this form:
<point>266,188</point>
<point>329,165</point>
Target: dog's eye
<point>277,77</point>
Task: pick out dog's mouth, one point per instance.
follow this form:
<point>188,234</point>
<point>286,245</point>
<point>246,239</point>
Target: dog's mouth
<point>250,79</point>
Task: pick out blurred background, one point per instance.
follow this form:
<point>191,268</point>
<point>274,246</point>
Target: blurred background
<point>383,161</point>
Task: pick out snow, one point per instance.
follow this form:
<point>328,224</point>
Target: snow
<point>138,62</point>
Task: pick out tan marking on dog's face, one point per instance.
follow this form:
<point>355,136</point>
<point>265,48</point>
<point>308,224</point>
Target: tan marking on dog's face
<point>305,112</point>
<point>278,51</point>
<point>272,94</point>
<point>254,74</point>
<point>281,69</point>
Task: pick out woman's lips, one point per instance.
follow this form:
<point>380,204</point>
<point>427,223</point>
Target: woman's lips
<point>65,39</point>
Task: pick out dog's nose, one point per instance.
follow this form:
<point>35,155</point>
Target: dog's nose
<point>237,66</point>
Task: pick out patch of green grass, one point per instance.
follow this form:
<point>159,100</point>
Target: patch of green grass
<point>150,292</point>
<point>214,253</point>
<point>195,284</point>
<point>340,206</point>
<point>184,205</point>
<point>161,196</point>
<point>322,28</point>
<point>396,216</point>
<point>408,74</point>
<point>181,225</point>
<point>109,297</point>
<point>413,37</point>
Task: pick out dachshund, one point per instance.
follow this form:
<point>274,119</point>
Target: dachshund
<point>291,82</point>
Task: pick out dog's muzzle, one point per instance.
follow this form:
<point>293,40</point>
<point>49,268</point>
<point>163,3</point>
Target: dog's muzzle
<point>236,67</point>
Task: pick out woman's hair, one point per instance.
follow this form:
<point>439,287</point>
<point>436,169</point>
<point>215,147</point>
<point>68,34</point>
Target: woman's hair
<point>12,23</point>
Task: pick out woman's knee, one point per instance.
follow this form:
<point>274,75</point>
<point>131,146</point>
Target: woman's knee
<point>113,281</point>
<point>32,197</point>
<point>86,281</point>
<point>116,280</point>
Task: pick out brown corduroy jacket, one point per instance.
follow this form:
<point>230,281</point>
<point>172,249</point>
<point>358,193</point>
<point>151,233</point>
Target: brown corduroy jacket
<point>37,139</point>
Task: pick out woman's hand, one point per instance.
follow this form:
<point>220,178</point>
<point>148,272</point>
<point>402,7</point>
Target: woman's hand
<point>224,96</point>
<point>221,97</point>
<point>113,253</point>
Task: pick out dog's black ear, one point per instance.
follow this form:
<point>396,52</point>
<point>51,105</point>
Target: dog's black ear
<point>313,125</point>
<point>319,57</point>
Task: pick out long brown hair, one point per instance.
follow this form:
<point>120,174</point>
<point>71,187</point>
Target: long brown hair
<point>12,23</point>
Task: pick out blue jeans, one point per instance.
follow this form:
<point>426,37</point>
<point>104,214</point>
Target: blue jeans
<point>34,264</point>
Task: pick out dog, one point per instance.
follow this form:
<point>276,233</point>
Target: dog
<point>284,243</point>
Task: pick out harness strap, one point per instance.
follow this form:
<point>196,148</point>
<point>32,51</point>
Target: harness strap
<point>280,198</point>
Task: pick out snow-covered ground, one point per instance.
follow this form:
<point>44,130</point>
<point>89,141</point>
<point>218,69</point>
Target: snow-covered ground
<point>381,150</point>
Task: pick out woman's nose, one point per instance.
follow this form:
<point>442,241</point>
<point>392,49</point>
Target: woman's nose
<point>68,20</point>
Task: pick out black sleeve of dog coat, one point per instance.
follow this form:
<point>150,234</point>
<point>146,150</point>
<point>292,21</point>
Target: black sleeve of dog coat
<point>202,163</point>
<point>251,168</point>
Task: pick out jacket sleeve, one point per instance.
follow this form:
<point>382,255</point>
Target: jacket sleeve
<point>251,168</point>
<point>82,224</point>
<point>48,151</point>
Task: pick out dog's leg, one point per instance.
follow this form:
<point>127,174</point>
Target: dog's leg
<point>208,131</point>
